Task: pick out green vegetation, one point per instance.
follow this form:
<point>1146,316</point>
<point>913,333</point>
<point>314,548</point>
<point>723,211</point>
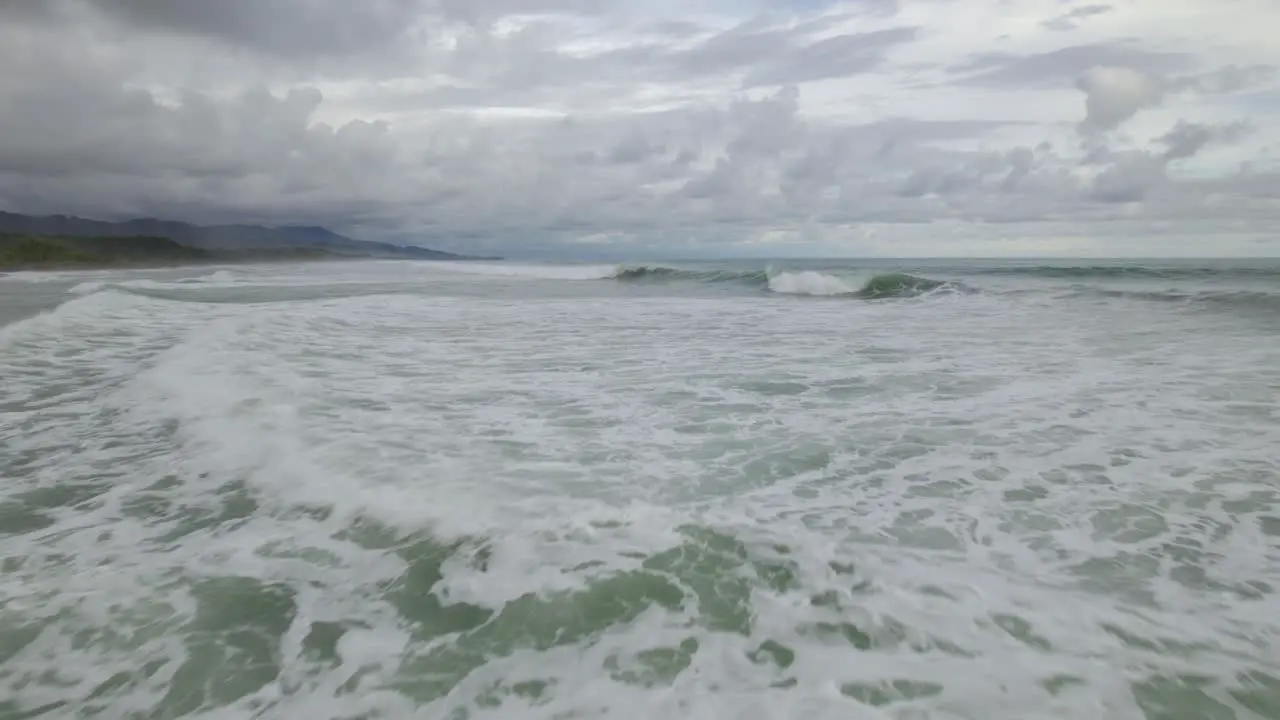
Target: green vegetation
<point>42,251</point>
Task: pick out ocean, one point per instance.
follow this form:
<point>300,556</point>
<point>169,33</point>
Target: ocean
<point>919,490</point>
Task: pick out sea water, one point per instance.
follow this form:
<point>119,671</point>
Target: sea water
<point>916,490</point>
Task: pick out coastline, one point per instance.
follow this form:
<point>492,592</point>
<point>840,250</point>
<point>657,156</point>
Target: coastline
<point>65,265</point>
<point>212,260</point>
<point>37,252</point>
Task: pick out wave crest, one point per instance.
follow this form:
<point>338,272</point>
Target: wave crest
<point>793,282</point>
<point>889,285</point>
<point>659,273</point>
<point>901,285</point>
<point>531,271</point>
<point>809,282</point>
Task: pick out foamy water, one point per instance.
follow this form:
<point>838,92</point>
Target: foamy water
<point>392,490</point>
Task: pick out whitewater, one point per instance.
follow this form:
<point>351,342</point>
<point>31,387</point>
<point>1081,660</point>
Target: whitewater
<point>925,490</point>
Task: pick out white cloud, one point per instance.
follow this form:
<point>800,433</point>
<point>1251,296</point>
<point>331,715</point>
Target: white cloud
<point>525,127</point>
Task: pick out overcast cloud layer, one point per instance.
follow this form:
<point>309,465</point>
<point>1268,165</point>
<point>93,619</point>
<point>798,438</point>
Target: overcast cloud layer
<point>669,127</point>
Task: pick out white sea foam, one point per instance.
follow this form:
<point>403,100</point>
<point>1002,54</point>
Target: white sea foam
<point>43,276</point>
<point>809,282</point>
<point>830,501</point>
<point>222,276</point>
<point>95,286</point>
<point>87,288</point>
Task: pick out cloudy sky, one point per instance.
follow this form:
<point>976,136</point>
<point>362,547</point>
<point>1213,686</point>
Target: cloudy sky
<point>669,127</point>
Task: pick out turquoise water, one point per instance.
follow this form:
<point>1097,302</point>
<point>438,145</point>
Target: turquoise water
<point>926,489</point>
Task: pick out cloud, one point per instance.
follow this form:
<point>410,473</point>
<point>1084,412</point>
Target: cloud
<point>1133,176</point>
<point>1115,94</point>
<point>1065,64</point>
<point>287,27</point>
<point>1187,139</point>
<point>1072,19</point>
<point>1229,79</point>
<point>550,126</point>
<point>832,57</point>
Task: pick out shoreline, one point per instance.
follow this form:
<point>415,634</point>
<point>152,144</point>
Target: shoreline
<point>63,266</point>
<point>89,266</point>
<point>61,253</point>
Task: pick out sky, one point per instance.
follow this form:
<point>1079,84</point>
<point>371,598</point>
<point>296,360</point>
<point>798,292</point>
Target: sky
<point>676,128</point>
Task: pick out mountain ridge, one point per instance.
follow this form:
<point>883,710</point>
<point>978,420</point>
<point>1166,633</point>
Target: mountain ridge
<point>229,240</point>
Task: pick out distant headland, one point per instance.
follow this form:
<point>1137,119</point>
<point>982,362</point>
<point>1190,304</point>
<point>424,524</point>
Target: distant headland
<point>59,241</point>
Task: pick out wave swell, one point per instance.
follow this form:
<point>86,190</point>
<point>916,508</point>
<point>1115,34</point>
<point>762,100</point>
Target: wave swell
<point>801,282</point>
<point>1266,302</point>
<point>529,271</point>
<point>646,273</point>
<point>793,282</point>
<point>1131,271</point>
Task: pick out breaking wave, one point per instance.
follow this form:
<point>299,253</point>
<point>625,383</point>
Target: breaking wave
<point>902,285</point>
<point>817,283</point>
<point>800,282</point>
<point>531,271</point>
<point>809,282</point>
<point>658,273</point>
